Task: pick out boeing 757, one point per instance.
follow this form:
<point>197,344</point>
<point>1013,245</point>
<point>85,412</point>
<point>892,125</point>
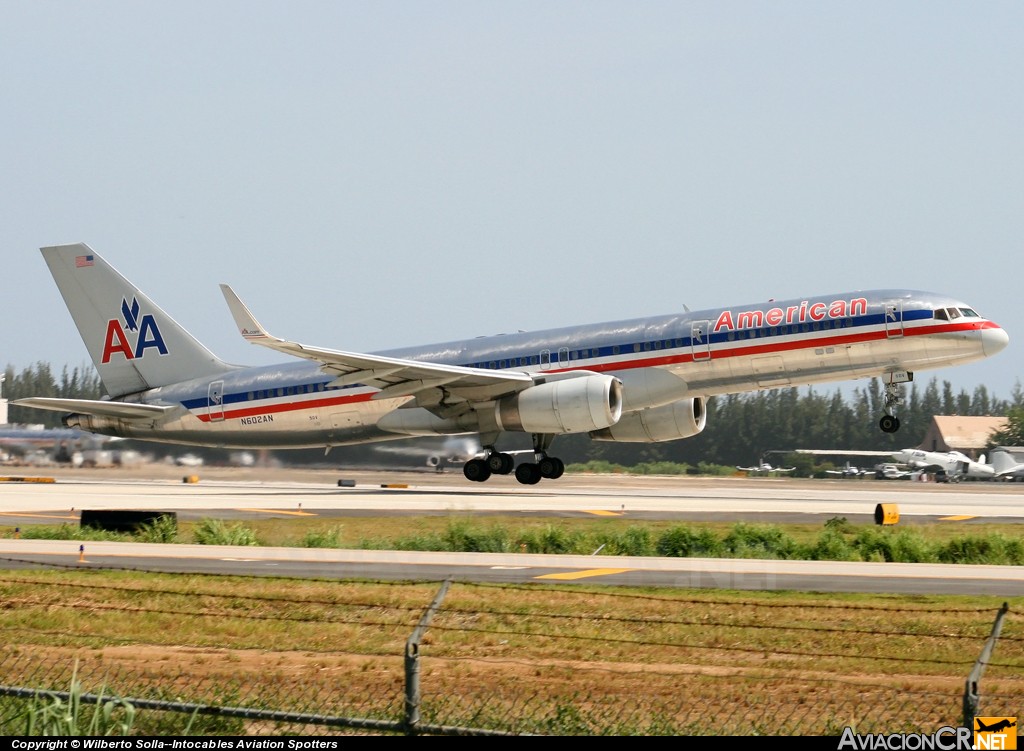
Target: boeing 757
<point>640,380</point>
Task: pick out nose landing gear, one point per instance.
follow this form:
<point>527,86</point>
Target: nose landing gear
<point>893,397</point>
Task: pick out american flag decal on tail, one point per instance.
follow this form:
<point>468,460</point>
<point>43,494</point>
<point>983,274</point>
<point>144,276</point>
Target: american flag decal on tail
<point>81,261</point>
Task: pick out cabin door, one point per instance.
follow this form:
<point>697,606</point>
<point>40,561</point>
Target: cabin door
<point>215,401</point>
<point>700,341</point>
<point>894,320</point>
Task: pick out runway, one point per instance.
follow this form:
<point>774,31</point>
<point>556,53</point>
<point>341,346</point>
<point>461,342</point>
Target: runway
<point>244,494</point>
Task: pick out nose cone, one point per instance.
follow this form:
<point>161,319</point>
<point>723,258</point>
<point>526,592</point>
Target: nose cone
<point>994,340</point>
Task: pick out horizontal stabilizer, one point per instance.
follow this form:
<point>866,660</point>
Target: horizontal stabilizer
<point>119,410</point>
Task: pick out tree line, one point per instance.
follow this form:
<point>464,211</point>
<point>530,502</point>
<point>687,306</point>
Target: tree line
<point>741,428</point>
<point>41,380</point>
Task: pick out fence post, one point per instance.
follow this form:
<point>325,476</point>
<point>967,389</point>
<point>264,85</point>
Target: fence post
<point>971,696</point>
<point>412,662</point>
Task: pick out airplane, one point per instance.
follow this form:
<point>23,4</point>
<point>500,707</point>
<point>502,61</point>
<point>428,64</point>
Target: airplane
<point>765,468</point>
<point>849,471</point>
<point>454,450</point>
<point>37,443</point>
<point>639,380</point>
<point>1006,462</point>
<point>995,727</point>
<point>952,466</point>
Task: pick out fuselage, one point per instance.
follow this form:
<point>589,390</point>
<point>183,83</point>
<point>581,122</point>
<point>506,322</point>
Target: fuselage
<point>659,360</point>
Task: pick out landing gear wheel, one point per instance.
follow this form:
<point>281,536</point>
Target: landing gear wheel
<point>893,397</point>
<point>500,464</point>
<point>476,470</point>
<point>528,473</point>
<point>889,424</point>
<point>551,467</point>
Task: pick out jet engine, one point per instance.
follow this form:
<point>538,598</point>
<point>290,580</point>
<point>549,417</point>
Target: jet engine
<point>682,419</point>
<point>568,405</point>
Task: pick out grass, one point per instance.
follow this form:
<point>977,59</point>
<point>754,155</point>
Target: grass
<point>564,658</point>
<point>836,539</point>
<point>573,659</point>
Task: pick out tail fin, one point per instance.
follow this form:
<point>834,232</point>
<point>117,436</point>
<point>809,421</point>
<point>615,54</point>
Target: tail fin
<point>133,343</point>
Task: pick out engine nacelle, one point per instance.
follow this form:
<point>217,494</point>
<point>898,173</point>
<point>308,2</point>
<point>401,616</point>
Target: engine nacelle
<point>568,405</point>
<point>682,419</point>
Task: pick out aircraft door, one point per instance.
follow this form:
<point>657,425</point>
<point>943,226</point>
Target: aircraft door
<point>215,401</point>
<point>700,340</point>
<point>894,320</point>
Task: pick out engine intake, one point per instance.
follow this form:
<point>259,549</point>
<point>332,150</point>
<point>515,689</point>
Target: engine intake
<point>569,405</point>
<point>682,419</point>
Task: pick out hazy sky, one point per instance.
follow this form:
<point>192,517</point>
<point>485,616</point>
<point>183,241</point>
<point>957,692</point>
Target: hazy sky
<point>369,175</point>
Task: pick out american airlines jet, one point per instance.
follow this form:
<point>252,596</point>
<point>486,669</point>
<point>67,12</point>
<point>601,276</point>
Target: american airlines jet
<point>639,380</point>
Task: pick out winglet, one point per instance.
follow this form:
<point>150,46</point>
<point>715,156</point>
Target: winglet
<point>247,324</point>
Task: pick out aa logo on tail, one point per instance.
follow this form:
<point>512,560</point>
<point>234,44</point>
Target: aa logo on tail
<point>144,330</point>
<point>995,733</point>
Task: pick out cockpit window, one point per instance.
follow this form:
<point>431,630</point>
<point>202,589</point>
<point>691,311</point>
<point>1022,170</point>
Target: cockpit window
<point>940,314</point>
<point>968,313</point>
<point>953,314</point>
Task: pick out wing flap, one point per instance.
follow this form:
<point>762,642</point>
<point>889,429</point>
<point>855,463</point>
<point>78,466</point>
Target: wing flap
<point>394,376</point>
<point>118,410</point>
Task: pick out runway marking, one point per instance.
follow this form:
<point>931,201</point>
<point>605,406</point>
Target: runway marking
<point>585,574</point>
<point>956,518</point>
<point>28,479</point>
<point>35,516</point>
<point>276,511</point>
<point>605,513</point>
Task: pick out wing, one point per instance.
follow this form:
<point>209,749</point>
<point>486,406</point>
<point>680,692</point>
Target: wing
<point>393,376</point>
<point>120,410</point>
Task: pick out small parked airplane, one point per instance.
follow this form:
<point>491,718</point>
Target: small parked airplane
<point>641,380</point>
<point>849,471</point>
<point>765,468</point>
<point>952,466</point>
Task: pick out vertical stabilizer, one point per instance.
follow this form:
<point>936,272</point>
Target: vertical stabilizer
<point>133,343</point>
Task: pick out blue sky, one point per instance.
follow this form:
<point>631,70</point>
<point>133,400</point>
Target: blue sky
<point>376,175</point>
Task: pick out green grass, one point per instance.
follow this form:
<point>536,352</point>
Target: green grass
<point>836,539</point>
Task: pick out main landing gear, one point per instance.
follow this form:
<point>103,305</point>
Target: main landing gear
<point>889,422</point>
<point>528,473</point>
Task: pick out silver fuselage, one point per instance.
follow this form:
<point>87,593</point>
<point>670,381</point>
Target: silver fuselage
<point>658,359</point>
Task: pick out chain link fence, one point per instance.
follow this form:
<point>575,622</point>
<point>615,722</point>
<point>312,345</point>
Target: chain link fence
<point>458,659</point>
